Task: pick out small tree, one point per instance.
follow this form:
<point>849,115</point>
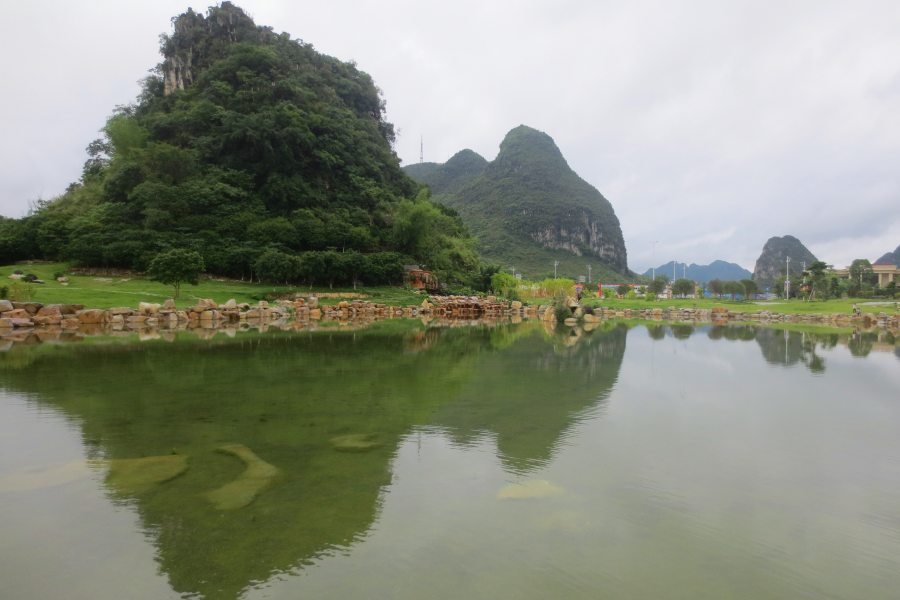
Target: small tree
<point>682,287</point>
<point>623,290</point>
<point>658,285</point>
<point>716,287</point>
<point>175,267</point>
<point>609,293</point>
<point>734,288</point>
<point>817,281</point>
<point>274,266</point>
<point>750,286</point>
<point>861,272</point>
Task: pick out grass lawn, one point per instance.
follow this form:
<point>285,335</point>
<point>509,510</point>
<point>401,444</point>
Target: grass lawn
<point>778,306</point>
<point>83,289</point>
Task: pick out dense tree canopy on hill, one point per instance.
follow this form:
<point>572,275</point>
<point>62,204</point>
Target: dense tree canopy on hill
<point>243,142</point>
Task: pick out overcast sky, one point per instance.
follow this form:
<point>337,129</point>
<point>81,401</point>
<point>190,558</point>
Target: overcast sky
<point>710,126</point>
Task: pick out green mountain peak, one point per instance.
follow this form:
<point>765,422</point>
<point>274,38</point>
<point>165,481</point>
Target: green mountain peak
<point>529,209</point>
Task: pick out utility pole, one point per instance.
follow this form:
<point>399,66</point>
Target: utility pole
<point>555,264</point>
<point>787,281</point>
<point>421,149</point>
<point>684,271</point>
<point>674,262</point>
<point>514,271</point>
<point>589,273</point>
<point>653,245</point>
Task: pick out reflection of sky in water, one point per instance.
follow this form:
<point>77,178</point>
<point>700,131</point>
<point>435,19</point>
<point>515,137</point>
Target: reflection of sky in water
<point>700,467</point>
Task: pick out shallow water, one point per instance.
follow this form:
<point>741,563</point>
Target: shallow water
<point>632,461</point>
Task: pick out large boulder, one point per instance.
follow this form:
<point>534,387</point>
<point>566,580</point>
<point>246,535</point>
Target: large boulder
<point>49,311</point>
<point>147,309</point>
<point>230,305</point>
<point>17,313</point>
<point>66,309</point>
<point>30,307</point>
<point>5,305</point>
<point>47,319</point>
<point>92,316</point>
<point>7,323</point>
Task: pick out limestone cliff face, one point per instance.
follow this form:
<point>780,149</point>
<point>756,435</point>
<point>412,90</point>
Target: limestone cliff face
<point>585,236</point>
<point>771,263</point>
<point>186,54</point>
<point>529,208</point>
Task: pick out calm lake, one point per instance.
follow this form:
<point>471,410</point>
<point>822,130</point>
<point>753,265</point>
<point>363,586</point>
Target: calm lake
<point>410,461</point>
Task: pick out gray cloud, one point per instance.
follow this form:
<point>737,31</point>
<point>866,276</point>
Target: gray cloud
<point>710,126</point>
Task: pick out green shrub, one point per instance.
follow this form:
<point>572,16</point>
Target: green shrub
<point>649,296</point>
<point>58,274</point>
<point>631,295</point>
<point>4,292</point>
<point>460,290</point>
<point>562,311</point>
<point>18,272</point>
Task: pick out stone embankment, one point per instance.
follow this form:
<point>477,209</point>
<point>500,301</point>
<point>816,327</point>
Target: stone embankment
<point>207,313</point>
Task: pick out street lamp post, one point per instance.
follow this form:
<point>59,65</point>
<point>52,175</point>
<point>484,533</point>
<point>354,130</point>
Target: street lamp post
<point>589,274</point>
<point>653,245</point>
<point>787,281</point>
<point>555,264</point>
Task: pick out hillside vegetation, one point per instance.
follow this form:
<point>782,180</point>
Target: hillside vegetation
<point>247,145</point>
<point>891,257</point>
<point>528,208</point>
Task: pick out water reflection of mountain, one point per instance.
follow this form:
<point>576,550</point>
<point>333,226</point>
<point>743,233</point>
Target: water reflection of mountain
<point>285,396</point>
<point>532,394</point>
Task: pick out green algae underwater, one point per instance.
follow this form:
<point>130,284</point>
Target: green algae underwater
<point>480,461</point>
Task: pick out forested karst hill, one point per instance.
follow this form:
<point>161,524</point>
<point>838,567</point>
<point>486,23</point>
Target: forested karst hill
<point>772,262</point>
<point>528,208</point>
<point>245,141</point>
<point>717,269</point>
<point>448,178</point>
<point>890,257</point>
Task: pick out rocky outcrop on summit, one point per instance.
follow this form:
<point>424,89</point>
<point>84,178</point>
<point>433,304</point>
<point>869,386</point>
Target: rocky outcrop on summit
<point>529,208</point>
<point>771,263</point>
<point>185,58</point>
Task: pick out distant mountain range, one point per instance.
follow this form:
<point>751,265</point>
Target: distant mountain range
<point>771,263</point>
<point>717,269</point>
<point>890,257</point>
<point>529,209</point>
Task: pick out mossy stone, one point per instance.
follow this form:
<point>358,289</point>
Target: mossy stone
<point>130,475</point>
<point>530,489</point>
<point>357,442</point>
<point>258,477</point>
